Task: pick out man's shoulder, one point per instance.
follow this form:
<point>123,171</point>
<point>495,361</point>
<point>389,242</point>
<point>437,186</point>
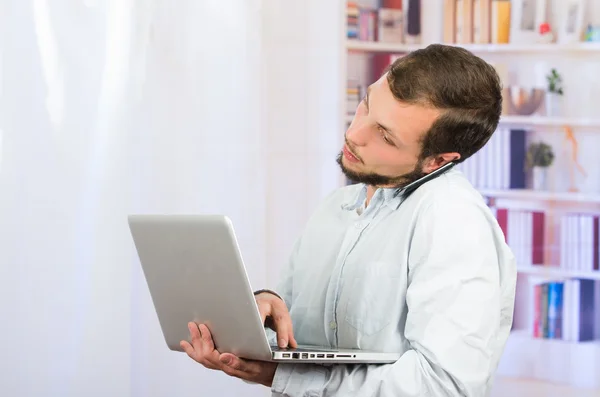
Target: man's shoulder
<point>451,201</point>
<point>449,189</point>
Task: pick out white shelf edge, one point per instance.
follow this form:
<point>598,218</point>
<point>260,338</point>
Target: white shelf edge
<point>540,121</point>
<point>585,47</point>
<point>524,334</point>
<point>553,271</point>
<point>550,121</point>
<point>374,46</point>
<point>524,194</point>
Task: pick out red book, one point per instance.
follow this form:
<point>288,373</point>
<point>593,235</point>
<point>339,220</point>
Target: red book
<point>502,217</point>
<point>395,4</point>
<point>537,257</point>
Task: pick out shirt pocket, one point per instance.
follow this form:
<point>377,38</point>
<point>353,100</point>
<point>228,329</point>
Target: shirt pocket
<point>373,298</point>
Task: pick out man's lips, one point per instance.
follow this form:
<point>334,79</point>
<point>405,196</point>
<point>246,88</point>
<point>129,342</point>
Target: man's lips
<point>349,155</point>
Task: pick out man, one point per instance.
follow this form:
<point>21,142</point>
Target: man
<point>425,272</point>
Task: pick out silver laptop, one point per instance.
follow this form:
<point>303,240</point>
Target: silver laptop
<point>195,272</point>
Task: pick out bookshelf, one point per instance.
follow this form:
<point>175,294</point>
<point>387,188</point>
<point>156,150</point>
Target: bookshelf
<point>565,211</point>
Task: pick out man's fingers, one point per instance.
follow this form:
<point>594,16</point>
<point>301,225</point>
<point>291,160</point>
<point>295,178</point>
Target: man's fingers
<point>187,348</point>
<point>281,321</point>
<point>283,327</point>
<point>282,334</point>
<point>210,355</point>
<point>292,340</point>
<point>195,336</point>
<point>236,366</point>
<point>207,340</point>
<point>198,349</point>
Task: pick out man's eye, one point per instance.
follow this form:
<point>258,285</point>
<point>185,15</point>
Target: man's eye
<point>385,137</point>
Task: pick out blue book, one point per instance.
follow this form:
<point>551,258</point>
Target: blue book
<point>555,309</point>
<point>518,153</point>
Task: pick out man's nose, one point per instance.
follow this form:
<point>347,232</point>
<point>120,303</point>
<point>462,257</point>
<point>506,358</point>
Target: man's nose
<point>358,132</point>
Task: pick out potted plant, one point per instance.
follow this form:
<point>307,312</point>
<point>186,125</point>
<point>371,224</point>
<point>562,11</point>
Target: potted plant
<point>539,157</point>
<point>554,94</point>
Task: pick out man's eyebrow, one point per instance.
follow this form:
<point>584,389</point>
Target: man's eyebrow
<point>386,129</point>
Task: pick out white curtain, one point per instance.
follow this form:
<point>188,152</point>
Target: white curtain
<point>120,106</point>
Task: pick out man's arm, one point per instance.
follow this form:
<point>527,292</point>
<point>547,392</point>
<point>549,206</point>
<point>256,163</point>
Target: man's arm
<point>454,316</point>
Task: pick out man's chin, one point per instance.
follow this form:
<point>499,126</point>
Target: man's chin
<point>373,179</point>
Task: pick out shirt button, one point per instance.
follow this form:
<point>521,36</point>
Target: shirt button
<point>332,325</point>
<point>358,225</point>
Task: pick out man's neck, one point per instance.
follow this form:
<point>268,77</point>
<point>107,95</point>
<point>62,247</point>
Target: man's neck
<point>370,192</point>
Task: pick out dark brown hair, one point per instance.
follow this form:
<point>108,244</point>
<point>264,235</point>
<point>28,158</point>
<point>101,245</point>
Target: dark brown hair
<point>465,87</point>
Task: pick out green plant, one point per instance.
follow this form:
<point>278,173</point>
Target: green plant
<point>539,154</point>
<point>554,82</point>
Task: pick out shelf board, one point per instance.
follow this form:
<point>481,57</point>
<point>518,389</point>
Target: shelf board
<point>542,121</point>
<point>556,272</point>
<point>374,46</point>
<point>525,194</point>
<point>554,360</point>
<point>526,49</point>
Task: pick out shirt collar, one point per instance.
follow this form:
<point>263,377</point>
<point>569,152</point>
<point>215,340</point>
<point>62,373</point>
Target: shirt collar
<point>388,196</point>
<point>356,200</point>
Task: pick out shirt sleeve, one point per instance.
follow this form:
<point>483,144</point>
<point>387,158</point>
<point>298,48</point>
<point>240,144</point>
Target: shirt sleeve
<point>284,286</point>
<point>456,324</point>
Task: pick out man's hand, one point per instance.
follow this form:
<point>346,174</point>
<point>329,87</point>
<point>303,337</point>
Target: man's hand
<point>275,315</point>
<point>202,350</point>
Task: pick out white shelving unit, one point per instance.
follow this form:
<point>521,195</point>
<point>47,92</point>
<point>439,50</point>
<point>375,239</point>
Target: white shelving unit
<point>558,361</point>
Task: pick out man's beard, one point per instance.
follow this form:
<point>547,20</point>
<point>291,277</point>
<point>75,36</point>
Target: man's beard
<point>374,179</point>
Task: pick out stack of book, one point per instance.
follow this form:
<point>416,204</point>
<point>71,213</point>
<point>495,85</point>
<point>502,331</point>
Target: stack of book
<point>568,310</point>
<point>384,21</point>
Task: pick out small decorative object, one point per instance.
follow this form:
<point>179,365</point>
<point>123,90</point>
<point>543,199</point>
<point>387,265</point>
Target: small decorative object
<point>574,163</point>
<point>570,15</point>
<point>545,34</point>
<point>539,157</point>
<point>522,101</point>
<point>592,33</point>
<point>554,95</point>
<point>526,16</point>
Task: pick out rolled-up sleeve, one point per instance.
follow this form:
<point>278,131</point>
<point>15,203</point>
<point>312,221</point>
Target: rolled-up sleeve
<point>455,323</point>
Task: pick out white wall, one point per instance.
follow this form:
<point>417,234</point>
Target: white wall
<point>302,43</point>
<point>136,106</point>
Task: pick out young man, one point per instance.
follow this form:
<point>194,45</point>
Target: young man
<point>424,272</point>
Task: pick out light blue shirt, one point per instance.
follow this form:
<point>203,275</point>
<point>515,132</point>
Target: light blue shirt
<point>429,276</point>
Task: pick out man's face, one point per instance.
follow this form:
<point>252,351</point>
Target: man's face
<point>383,142</point>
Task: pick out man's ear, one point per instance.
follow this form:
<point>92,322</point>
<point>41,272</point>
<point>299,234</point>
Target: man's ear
<point>434,162</point>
